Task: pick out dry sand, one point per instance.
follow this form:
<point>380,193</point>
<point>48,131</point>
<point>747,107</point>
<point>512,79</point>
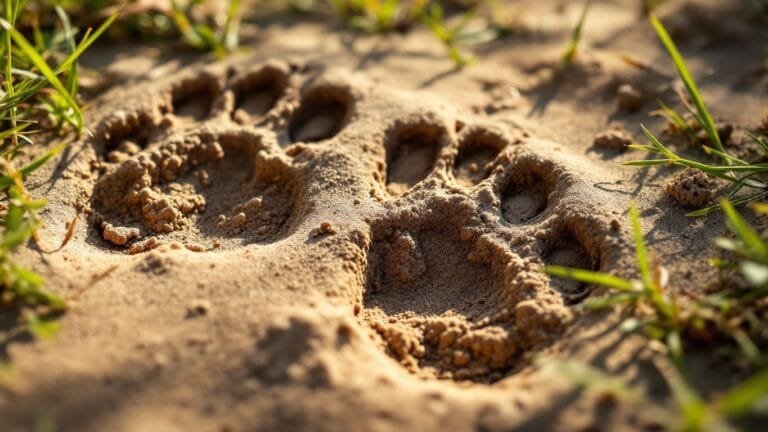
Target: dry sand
<point>333,232</point>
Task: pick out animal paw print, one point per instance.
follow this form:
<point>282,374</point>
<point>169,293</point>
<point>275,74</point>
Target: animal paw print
<point>200,164</point>
<point>454,284</point>
<point>206,190</point>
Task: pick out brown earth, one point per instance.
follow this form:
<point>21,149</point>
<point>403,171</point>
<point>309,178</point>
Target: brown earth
<point>333,232</point>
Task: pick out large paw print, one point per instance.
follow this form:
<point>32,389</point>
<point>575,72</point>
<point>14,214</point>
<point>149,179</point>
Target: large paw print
<point>200,189</point>
<point>454,285</point>
<point>202,163</point>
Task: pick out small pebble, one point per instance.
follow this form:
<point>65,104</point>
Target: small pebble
<point>118,235</point>
<point>198,307</point>
<point>614,139</point>
<point>690,187</point>
<point>629,99</point>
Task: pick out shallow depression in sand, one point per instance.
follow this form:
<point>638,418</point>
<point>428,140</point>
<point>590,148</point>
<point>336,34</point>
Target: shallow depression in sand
<point>428,273</point>
<point>321,115</point>
<point>477,150</point>
<point>209,192</point>
<point>192,99</point>
<point>438,308</point>
<point>567,251</point>
<point>411,152</point>
<point>241,201</point>
<point>257,93</point>
<point>523,200</point>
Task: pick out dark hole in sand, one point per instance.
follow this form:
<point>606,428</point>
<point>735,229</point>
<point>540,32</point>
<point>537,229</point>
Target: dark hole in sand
<point>567,251</point>
<point>321,115</point>
<point>192,101</point>
<point>476,152</point>
<point>411,155</point>
<point>258,93</point>
<point>429,273</point>
<point>522,201</point>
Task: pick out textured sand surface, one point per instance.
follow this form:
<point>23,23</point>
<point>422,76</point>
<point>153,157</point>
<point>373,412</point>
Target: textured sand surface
<point>337,233</point>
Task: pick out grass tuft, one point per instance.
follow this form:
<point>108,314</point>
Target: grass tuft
<point>379,16</point>
<point>40,76</point>
<point>457,35</point>
<point>741,174</point>
<point>383,16</point>
<point>701,114</point>
<point>206,37</point>
<point>655,311</point>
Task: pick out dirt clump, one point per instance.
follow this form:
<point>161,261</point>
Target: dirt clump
<point>118,235</point>
<point>613,139</point>
<point>690,187</point>
<point>629,99</point>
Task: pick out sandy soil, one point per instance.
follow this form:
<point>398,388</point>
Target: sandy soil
<point>333,232</point>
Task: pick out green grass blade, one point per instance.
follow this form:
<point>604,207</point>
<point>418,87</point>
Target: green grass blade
<point>747,345</point>
<point>88,39</point>
<point>43,328</point>
<point>641,254</point>
<point>647,162</point>
<point>690,84</point>
<point>675,346</point>
<point>185,27</point>
<point>657,144</point>
<point>715,208</point>
<point>6,181</point>
<point>744,232</point>
<point>69,36</point>
<point>231,26</point>
<point>692,407</point>
<point>587,276</point>
<point>10,90</point>
<point>26,74</point>
<point>747,180</point>
<point>759,141</point>
<point>13,131</point>
<point>724,156</point>
<point>45,70</point>
<point>740,399</point>
<point>715,171</point>
<point>644,265</point>
<point>643,147</point>
<point>609,301</point>
<point>29,284</point>
<point>673,117</point>
<point>573,45</point>
<point>586,376</point>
